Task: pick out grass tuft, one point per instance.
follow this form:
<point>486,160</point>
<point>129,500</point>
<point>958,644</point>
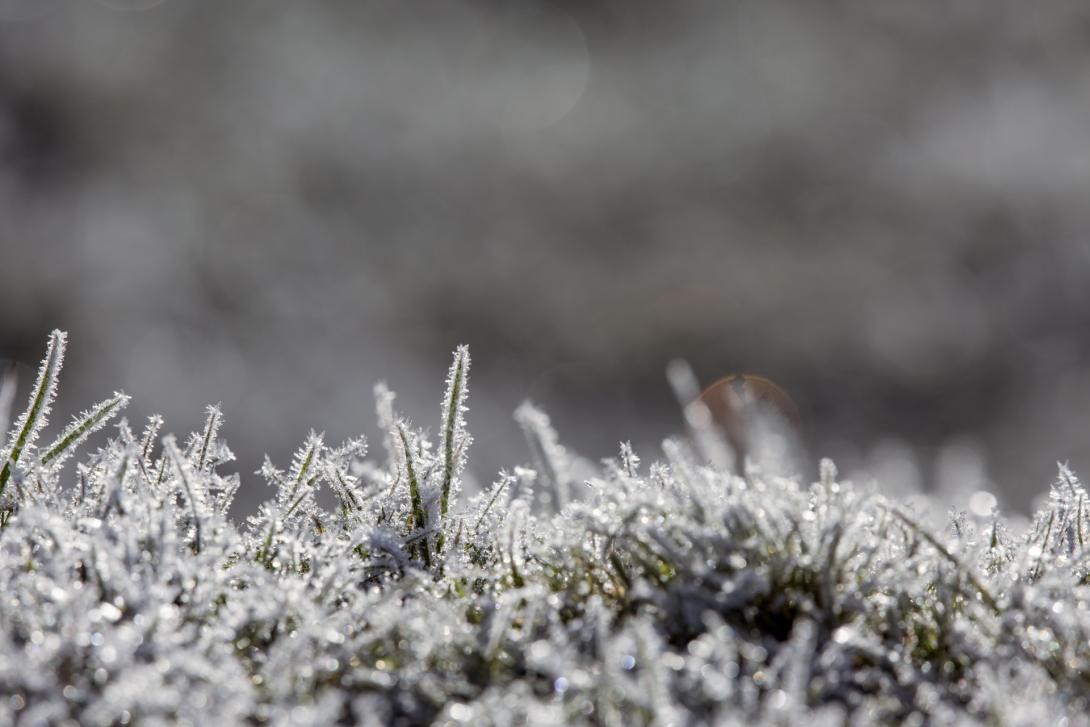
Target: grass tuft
<point>673,593</point>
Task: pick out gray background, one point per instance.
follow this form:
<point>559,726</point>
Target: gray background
<point>885,207</point>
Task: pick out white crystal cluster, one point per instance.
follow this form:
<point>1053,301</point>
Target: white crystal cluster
<point>670,594</point>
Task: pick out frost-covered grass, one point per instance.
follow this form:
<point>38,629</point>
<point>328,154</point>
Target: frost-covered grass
<point>674,593</point>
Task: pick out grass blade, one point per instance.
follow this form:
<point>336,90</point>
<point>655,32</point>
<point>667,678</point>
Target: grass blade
<point>34,418</point>
<point>82,427</point>
<point>454,428</point>
<point>420,518</point>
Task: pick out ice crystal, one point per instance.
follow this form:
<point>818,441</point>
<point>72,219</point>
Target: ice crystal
<point>677,592</point>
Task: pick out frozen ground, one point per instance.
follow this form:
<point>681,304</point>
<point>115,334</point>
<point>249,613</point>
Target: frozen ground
<point>663,592</point>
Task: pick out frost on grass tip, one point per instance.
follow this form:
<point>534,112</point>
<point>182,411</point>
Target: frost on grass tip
<point>668,593</point>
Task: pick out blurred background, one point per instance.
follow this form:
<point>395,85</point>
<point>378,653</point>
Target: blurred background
<point>884,207</point>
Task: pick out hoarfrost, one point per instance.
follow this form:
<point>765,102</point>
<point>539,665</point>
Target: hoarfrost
<point>673,593</point>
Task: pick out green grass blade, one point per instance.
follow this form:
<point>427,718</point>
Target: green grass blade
<point>420,518</point>
<point>82,427</point>
<point>34,419</point>
<point>454,430</point>
<point>211,429</point>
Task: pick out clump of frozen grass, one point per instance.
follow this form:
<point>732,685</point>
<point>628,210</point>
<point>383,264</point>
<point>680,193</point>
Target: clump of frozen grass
<point>664,594</point>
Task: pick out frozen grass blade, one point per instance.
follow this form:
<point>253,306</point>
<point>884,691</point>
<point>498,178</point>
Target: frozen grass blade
<point>304,473</point>
<point>501,486</point>
<point>147,439</point>
<point>83,426</point>
<point>304,460</point>
<point>454,426</point>
<point>201,447</point>
<point>34,419</point>
<point>549,457</point>
<point>455,440</point>
<point>710,440</point>
<point>192,490</point>
<point>419,516</point>
<point>387,420</point>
